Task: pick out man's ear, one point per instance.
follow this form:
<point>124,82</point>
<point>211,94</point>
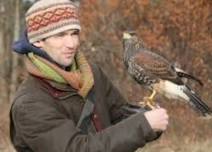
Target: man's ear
<point>38,44</point>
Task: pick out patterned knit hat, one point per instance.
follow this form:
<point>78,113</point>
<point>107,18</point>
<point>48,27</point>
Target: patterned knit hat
<point>49,17</point>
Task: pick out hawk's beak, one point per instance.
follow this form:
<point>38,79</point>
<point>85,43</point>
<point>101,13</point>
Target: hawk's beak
<point>126,36</point>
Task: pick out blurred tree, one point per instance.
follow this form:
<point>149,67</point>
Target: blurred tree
<point>2,12</point>
<point>9,31</point>
<point>15,60</point>
<point>5,35</point>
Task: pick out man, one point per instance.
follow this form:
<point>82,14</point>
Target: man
<point>67,104</point>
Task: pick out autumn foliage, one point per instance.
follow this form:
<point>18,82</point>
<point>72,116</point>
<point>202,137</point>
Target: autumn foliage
<point>180,30</point>
<point>177,29</point>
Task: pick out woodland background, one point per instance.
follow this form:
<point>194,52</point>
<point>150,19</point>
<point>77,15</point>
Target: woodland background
<point>180,30</point>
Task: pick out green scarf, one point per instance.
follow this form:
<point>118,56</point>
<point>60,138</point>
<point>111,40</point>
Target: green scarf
<point>79,77</point>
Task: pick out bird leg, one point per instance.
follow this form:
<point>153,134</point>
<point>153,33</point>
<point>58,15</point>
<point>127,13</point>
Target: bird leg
<point>149,102</point>
<point>152,95</point>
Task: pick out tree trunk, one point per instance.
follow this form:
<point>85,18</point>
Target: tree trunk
<point>2,50</point>
<point>15,58</point>
<point>9,31</point>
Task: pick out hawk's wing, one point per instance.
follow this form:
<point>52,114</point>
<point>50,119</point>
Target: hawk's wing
<point>152,66</point>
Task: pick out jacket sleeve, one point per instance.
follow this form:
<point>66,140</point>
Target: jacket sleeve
<point>45,129</point>
<point>118,106</point>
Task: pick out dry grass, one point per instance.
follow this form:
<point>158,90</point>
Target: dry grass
<point>202,146</point>
<point>5,145</point>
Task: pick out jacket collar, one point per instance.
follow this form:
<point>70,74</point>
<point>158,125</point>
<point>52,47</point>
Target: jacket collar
<point>56,90</point>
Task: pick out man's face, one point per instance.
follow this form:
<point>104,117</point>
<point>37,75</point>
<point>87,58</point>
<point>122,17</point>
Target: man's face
<point>61,47</point>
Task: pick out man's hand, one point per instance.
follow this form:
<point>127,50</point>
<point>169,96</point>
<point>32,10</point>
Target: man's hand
<point>157,118</point>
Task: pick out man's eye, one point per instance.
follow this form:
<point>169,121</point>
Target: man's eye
<point>75,33</point>
<point>60,35</point>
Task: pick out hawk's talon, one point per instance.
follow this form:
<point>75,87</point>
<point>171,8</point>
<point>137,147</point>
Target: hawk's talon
<point>147,103</point>
<point>152,95</point>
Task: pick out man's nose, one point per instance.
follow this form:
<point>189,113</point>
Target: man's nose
<point>69,41</point>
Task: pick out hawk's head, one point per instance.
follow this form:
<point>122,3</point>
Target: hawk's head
<point>130,39</point>
<point>129,35</point>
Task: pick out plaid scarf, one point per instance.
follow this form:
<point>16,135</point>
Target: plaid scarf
<point>80,77</point>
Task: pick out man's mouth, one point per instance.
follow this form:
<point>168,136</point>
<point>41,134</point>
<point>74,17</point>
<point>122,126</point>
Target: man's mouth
<point>68,54</point>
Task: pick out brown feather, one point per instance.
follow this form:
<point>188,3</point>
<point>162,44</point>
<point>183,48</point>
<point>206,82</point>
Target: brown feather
<point>155,65</point>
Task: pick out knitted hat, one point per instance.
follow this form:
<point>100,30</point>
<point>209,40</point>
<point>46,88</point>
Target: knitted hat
<point>49,17</point>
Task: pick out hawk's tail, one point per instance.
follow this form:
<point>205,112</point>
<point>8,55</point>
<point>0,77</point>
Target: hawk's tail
<point>189,76</point>
<point>195,101</point>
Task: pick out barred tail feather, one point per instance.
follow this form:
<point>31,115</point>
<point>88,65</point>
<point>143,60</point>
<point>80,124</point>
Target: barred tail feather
<point>186,75</point>
<point>197,102</point>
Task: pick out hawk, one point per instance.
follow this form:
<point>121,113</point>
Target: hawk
<point>158,74</point>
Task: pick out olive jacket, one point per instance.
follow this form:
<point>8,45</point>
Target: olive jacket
<point>44,118</point>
